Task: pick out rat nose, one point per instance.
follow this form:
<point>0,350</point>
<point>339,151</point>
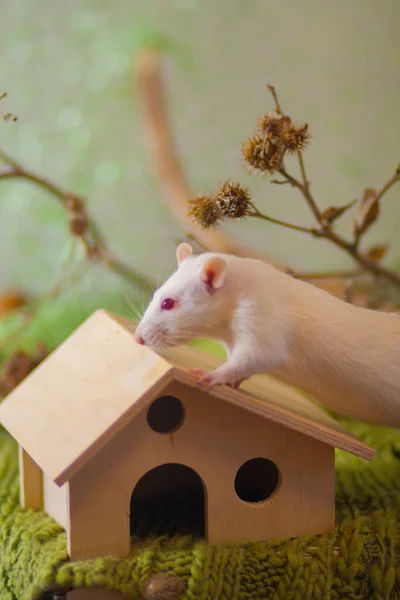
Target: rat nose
<point>140,340</point>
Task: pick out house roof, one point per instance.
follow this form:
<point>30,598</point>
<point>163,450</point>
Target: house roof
<point>94,383</point>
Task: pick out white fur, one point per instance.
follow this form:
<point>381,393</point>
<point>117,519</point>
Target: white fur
<point>346,357</point>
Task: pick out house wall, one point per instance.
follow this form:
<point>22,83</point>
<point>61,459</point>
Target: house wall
<point>214,440</point>
<point>55,500</point>
<point>30,481</point>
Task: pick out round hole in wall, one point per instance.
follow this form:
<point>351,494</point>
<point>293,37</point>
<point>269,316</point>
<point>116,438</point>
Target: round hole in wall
<point>166,414</point>
<point>256,480</point>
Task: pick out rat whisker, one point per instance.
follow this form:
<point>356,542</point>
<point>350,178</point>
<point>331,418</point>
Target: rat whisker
<point>133,311</point>
<point>140,303</point>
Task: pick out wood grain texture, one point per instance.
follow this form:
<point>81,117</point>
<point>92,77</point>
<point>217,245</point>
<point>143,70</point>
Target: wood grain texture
<point>215,448</point>
<point>31,481</point>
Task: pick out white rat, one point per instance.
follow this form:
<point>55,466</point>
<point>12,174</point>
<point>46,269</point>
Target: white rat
<point>346,357</point>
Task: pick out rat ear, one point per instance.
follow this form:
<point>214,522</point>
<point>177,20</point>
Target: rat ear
<point>213,272</point>
<point>183,252</point>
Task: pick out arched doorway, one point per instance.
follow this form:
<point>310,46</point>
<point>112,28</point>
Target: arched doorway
<point>168,500</point>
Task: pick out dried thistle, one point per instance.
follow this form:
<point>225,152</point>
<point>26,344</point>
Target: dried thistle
<point>233,200</point>
<point>262,154</point>
<point>276,136</point>
<point>284,133</point>
<point>205,211</point>
<point>274,124</point>
<point>295,139</point>
<point>163,587</point>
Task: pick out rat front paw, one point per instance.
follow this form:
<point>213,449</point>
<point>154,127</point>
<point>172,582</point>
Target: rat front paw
<point>209,379</point>
<point>236,383</point>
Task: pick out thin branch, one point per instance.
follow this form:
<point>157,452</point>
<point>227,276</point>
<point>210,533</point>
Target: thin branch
<point>275,97</point>
<point>91,236</point>
<point>369,265</point>
<point>259,215</point>
<point>348,247</point>
<point>350,274</point>
<point>292,180</point>
<point>9,160</point>
<point>121,268</point>
<point>152,96</point>
<point>389,184</point>
<point>306,184</point>
<point>324,230</point>
<point>280,182</point>
<point>306,187</point>
<point>190,237</point>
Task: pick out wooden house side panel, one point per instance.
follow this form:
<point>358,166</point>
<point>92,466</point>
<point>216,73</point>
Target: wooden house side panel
<point>31,481</point>
<point>55,500</point>
<point>215,439</point>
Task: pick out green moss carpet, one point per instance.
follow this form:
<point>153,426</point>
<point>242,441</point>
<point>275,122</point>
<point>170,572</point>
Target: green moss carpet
<point>360,560</point>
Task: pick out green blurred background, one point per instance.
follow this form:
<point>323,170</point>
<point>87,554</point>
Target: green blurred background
<point>67,68</point>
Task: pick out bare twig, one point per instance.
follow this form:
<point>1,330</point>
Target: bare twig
<point>280,182</point>
<point>309,276</point>
<point>324,229</point>
<point>390,183</point>
<point>190,237</point>
<point>340,242</point>
<point>259,215</point>
<point>306,189</point>
<point>89,233</point>
<point>150,85</point>
<point>349,247</point>
<point>306,184</point>
<point>275,97</point>
<point>177,192</point>
<point>368,265</point>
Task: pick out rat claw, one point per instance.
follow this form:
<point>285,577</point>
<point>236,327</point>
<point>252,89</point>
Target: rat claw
<point>205,378</point>
<point>209,379</point>
<point>235,384</point>
<point>196,371</point>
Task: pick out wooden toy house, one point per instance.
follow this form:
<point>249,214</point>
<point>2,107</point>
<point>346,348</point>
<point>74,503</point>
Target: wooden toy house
<point>114,439</point>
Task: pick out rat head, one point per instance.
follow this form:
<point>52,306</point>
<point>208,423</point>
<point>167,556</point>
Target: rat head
<point>189,304</point>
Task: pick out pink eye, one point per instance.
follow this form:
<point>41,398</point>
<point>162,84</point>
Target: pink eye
<point>167,304</point>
